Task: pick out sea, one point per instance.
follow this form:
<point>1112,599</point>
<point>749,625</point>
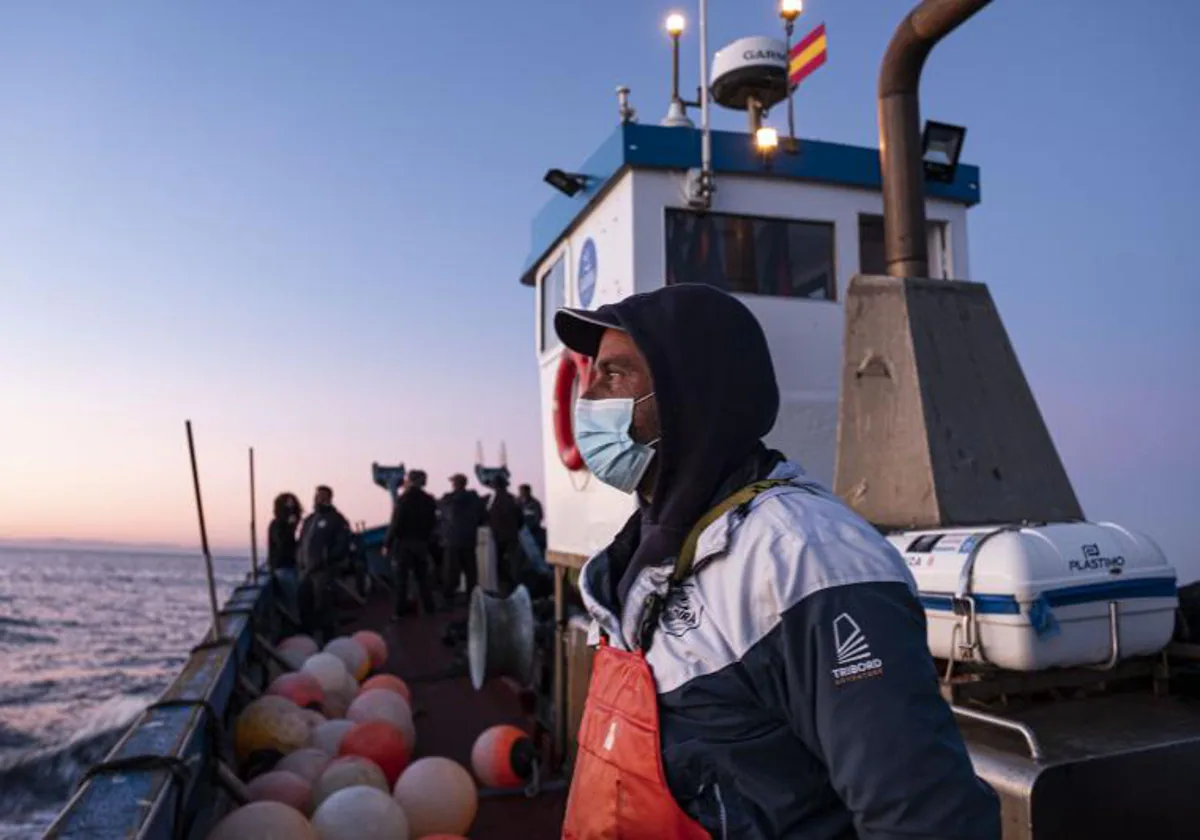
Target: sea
<point>87,640</point>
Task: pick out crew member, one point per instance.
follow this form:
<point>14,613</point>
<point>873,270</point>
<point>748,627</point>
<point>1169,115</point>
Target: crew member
<point>414,518</point>
<point>462,514</point>
<point>325,540</point>
<point>531,512</point>
<point>281,549</point>
<point>762,669</point>
<point>505,520</point>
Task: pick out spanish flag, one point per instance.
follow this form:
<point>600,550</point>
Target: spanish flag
<point>808,54</point>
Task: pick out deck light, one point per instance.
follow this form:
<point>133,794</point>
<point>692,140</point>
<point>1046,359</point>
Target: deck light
<point>675,25</point>
<point>789,10</point>
<point>766,139</point>
<point>941,145</point>
<point>567,183</point>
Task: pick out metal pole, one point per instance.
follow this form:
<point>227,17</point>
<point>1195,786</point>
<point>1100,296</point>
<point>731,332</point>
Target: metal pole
<point>900,130</point>
<point>253,525</point>
<point>208,565</point>
<point>789,27</point>
<point>674,68</point>
<point>705,135</point>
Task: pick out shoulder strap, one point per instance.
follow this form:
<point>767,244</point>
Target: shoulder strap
<point>687,554</point>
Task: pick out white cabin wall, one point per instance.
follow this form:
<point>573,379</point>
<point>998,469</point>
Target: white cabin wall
<point>582,514</point>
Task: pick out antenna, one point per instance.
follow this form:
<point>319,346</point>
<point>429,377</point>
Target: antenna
<point>503,455</point>
<point>627,113</point>
<point>478,453</point>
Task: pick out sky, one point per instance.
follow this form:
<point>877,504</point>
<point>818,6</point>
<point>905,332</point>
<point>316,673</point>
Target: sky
<point>301,225</point>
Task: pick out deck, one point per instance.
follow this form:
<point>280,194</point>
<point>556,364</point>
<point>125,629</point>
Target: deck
<point>449,714</point>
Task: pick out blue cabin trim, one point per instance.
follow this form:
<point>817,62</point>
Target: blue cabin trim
<point>657,147</point>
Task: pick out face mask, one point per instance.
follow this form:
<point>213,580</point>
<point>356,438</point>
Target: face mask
<point>602,435</point>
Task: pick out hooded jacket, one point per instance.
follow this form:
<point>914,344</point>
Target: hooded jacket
<point>797,696</point>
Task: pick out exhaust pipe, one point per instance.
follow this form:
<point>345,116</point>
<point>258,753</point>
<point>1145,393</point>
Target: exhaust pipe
<point>905,242</point>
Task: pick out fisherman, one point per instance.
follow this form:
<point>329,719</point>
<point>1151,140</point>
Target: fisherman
<point>531,512</point>
<point>281,549</point>
<point>506,520</point>
<point>325,542</point>
<point>762,669</point>
<point>462,513</point>
<point>414,518</point>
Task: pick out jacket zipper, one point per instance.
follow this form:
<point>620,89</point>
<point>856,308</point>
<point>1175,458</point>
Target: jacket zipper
<point>721,810</point>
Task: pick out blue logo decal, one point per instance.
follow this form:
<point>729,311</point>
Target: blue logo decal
<point>586,278</point>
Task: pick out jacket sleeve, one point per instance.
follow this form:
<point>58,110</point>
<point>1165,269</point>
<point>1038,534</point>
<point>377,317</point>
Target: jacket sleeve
<point>863,695</point>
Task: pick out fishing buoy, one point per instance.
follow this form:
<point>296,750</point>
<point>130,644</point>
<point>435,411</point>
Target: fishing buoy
<point>268,729</point>
<point>307,763</point>
<point>392,683</point>
<point>353,655</point>
<point>301,687</point>
<point>328,736</point>
<point>381,704</point>
<point>360,813</point>
<point>264,821</point>
<point>330,672</point>
<point>381,742</point>
<point>306,646</point>
<point>503,757</point>
<point>347,772</point>
<point>375,647</point>
<point>282,786</point>
<point>438,796</point>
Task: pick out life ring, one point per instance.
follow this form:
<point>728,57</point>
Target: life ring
<point>573,371</point>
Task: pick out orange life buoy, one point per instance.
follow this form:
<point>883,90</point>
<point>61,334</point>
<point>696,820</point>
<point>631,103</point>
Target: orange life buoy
<point>573,370</point>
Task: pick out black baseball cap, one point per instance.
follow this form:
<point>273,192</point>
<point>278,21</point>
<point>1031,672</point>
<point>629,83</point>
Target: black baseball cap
<point>581,329</point>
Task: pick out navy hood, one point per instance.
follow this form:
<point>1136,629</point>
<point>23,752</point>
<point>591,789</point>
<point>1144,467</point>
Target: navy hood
<point>717,397</point>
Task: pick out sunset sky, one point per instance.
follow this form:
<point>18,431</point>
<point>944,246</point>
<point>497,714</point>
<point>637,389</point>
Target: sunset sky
<point>301,225</point>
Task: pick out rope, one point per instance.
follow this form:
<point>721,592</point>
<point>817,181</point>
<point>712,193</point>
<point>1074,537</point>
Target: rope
<point>181,772</point>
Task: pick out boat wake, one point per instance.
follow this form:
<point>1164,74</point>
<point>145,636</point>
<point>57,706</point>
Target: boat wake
<point>43,777</point>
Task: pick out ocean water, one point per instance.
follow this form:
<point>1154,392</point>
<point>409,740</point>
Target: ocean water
<point>87,640</point>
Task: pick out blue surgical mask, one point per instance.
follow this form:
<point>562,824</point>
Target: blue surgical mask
<point>602,435</point>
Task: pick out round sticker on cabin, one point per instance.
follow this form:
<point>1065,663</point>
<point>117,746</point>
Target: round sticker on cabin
<point>585,280</point>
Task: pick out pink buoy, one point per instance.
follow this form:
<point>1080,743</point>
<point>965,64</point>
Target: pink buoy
<point>375,646</point>
<point>282,786</point>
<point>381,704</point>
<point>438,797</point>
<point>264,821</point>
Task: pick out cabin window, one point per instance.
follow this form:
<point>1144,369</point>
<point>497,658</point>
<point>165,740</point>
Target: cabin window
<point>871,252</point>
<point>751,254</point>
<point>553,286</point>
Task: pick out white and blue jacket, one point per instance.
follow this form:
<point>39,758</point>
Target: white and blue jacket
<point>797,696</point>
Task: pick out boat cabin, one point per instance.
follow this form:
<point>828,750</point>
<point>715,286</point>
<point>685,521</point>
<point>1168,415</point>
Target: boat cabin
<point>784,232</point>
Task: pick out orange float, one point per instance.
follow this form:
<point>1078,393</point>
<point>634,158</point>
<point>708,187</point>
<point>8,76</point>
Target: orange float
<point>380,742</point>
<point>390,682</point>
<point>503,757</point>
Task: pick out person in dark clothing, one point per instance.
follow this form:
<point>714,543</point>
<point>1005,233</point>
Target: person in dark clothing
<point>324,550</point>
<point>281,549</point>
<point>772,636</point>
<point>506,519</point>
<point>462,513</point>
<point>531,512</point>
<point>414,518</point>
